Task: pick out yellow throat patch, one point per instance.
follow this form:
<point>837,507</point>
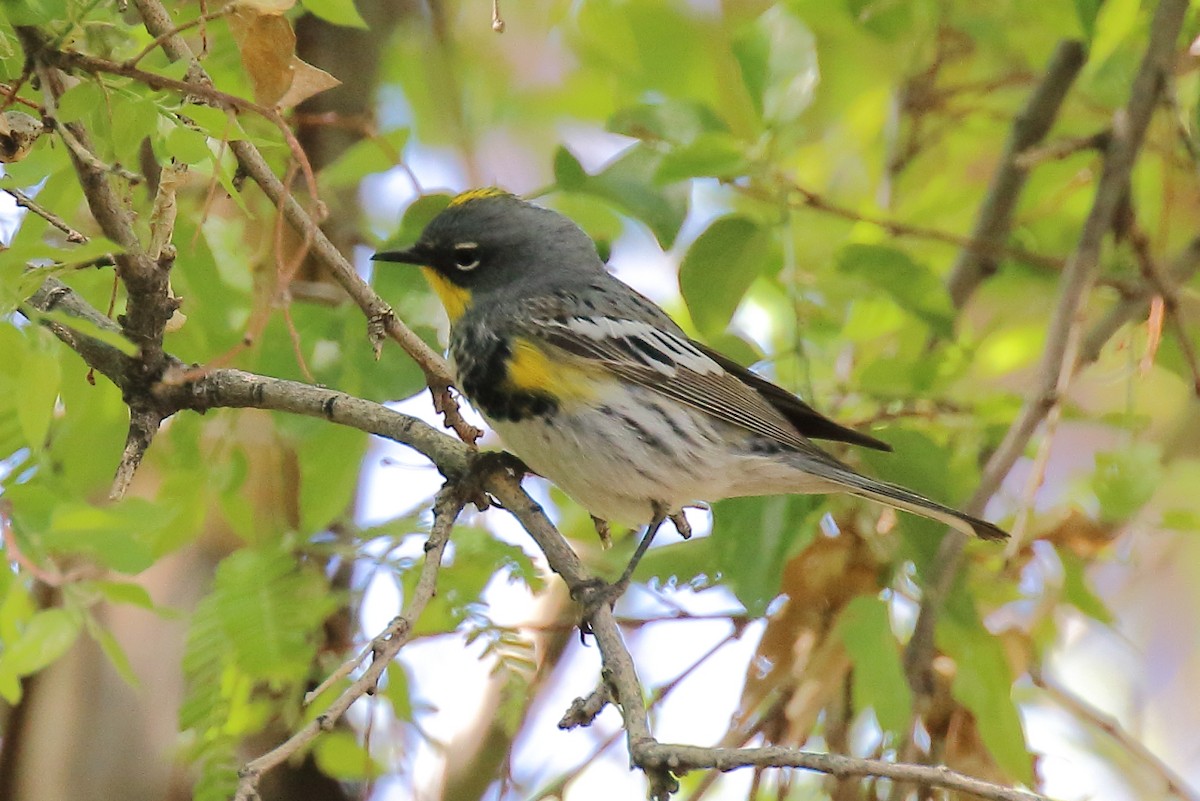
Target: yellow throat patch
<point>455,298</point>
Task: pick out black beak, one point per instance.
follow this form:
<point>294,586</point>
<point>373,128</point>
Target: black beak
<point>414,255</point>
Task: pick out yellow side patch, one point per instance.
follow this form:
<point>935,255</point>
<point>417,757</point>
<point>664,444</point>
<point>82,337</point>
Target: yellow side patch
<point>455,298</point>
<point>530,370</point>
<point>476,194</point>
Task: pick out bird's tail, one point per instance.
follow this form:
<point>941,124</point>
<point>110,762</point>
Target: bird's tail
<point>900,498</point>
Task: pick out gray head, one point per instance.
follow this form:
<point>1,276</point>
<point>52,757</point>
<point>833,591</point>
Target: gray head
<point>488,240</point>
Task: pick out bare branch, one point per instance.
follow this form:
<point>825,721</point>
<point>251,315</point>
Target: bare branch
<point>1031,126</point>
<point>383,649</point>
<point>25,201</point>
<point>686,757</point>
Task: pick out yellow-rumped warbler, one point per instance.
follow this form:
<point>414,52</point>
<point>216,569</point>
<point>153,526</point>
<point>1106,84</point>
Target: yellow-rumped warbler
<point>594,387</point>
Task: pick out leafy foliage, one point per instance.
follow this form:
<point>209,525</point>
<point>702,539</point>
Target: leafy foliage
<point>814,169</point>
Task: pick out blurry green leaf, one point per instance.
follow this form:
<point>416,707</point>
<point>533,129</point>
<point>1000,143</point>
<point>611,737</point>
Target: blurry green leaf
<point>87,327</point>
<point>752,539</point>
<point>40,378</point>
<point>878,680</point>
<point>1114,23</point>
<point>691,563</point>
<point>216,123</point>
<point>330,461</point>
<point>125,592</point>
<point>911,285</point>
<point>339,12</point>
<point>187,145</point>
<point>47,636</point>
<point>1126,479</point>
<point>778,57</point>
<point>719,267</point>
<point>372,155</point>
<point>270,610</point>
<point>340,755</point>
<point>418,215</point>
<point>1087,11</point>
<point>397,692</point>
<point>714,155</point>
<point>628,183</point>
<point>568,172</point>
<point>35,12</point>
<point>671,120</point>
<point>80,100</point>
<point>983,683</point>
<point>114,652</point>
<point>1076,589</point>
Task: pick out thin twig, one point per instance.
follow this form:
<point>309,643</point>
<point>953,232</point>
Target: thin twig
<point>384,648</point>
<point>25,201</point>
<point>381,320</point>
<point>801,197</point>
<point>994,223</point>
<point>178,29</point>
<point>1170,300</point>
<point>677,758</point>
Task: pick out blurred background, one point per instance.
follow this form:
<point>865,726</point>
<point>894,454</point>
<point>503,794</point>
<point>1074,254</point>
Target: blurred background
<point>797,183</point>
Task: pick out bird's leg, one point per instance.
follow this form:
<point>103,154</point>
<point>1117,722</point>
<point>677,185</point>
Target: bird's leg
<point>595,592</point>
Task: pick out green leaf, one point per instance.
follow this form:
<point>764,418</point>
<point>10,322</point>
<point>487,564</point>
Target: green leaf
<point>80,100</point>
<point>270,610</point>
<point>671,120</point>
<point>187,145</point>
<point>1076,590</point>
<point>113,650</point>
<point>47,636</point>
<point>983,683</point>
<point>720,266</point>
<point>330,461</point>
<point>716,155</point>
<point>372,155</point>
<point>87,327</point>
<point>339,754</point>
<point>339,12</point>
<point>418,215</point>
<point>125,592</point>
<point>878,681</point>
<point>912,286</point>
<point>1126,479</point>
<point>568,172</point>
<point>396,691</point>
<point>778,58</point>
<point>692,563</point>
<point>628,183</point>
<point>40,380</point>
<point>753,538</point>
<point>1087,11</point>
<point>1115,21</point>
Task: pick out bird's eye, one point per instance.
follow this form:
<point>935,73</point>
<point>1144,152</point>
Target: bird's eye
<point>466,256</point>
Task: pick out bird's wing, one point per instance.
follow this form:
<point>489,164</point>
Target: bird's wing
<point>668,362</point>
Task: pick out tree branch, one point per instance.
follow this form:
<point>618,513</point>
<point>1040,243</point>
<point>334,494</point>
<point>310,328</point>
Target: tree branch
<point>686,757</point>
<point>381,320</point>
<point>994,223</point>
<point>1063,337</point>
<point>383,649</point>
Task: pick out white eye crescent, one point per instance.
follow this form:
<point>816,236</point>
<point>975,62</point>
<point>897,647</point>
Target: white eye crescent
<point>466,256</point>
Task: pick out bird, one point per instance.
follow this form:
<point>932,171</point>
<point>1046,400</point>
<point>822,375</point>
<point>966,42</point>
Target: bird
<point>595,387</point>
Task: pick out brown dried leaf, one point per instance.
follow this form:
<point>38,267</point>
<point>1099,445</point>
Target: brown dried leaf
<point>267,45</point>
<point>307,81</point>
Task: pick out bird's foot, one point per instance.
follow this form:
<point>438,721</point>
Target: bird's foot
<point>592,595</point>
<point>472,483</point>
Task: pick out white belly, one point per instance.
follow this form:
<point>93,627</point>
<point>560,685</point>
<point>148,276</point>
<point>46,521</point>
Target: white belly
<point>642,449</point>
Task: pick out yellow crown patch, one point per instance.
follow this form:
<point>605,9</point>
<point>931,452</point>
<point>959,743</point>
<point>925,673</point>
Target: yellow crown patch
<point>479,194</point>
